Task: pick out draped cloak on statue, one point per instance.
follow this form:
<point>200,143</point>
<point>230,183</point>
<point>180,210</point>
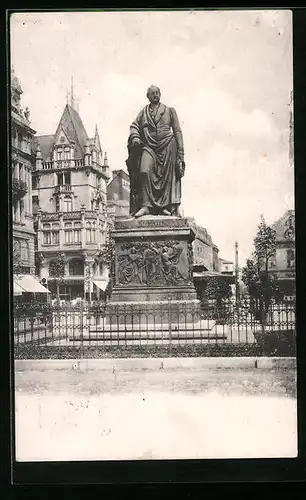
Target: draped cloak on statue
<point>154,177</point>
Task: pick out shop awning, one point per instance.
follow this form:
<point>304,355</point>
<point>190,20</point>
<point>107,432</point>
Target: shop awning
<point>17,290</point>
<point>29,284</point>
<point>102,284</point>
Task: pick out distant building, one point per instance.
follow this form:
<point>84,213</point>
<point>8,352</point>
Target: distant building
<point>22,165</point>
<point>70,199</point>
<point>206,261</point>
<point>118,193</point>
<point>284,262</point>
<point>205,252</point>
<point>226,267</point>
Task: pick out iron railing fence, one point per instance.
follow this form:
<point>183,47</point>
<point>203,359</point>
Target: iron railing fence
<point>173,328</point>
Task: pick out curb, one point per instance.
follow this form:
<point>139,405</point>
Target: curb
<point>140,364</point>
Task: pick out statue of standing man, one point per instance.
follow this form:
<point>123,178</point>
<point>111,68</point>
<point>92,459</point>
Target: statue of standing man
<point>156,159</point>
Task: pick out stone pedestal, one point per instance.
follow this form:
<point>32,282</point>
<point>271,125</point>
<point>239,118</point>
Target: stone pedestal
<point>153,264</point>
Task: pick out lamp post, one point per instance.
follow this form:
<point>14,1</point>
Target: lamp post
<point>237,286</point>
<point>237,291</point>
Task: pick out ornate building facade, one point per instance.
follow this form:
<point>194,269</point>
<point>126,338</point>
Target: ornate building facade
<point>284,262</point>
<point>22,166</point>
<point>70,200</point>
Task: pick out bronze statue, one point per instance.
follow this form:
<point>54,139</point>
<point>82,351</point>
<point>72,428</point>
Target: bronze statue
<point>156,159</point>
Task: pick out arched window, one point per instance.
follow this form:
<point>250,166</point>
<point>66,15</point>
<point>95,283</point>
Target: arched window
<point>76,267</point>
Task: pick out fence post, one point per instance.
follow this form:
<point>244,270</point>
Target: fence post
<point>82,321</point>
<point>169,326</point>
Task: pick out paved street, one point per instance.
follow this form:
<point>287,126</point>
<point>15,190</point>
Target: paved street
<point>178,413</point>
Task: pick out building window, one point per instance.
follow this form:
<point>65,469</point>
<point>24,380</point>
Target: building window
<point>290,259</point>
<point>64,179</point>
<point>35,204</point>
<point>67,178</point>
<point>34,182</point>
<point>67,154</point>
<point>101,268</point>
<point>59,154</point>
<point>67,204</point>
<point>68,236</point>
<point>51,235</point>
<point>72,236</point>
<point>90,232</point>
<point>16,249</point>
<point>77,236</point>
<point>55,237</point>
<point>19,141</point>
<point>46,237</point>
<point>68,232</point>
<point>57,204</point>
<point>24,250</point>
<point>76,267</point>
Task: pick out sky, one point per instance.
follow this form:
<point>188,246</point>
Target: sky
<point>228,74</point>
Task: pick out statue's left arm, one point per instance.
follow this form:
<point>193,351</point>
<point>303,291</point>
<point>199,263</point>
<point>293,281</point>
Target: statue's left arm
<point>175,124</point>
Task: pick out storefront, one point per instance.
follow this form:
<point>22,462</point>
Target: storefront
<point>69,290</point>
<point>26,288</point>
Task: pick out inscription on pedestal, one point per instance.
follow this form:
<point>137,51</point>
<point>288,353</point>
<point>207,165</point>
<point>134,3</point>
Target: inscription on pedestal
<point>151,222</point>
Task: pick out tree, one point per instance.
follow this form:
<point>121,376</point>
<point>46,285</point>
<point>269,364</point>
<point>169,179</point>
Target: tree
<point>57,271</point>
<point>218,289</point>
<point>19,190</point>
<point>108,253</point>
<point>260,280</point>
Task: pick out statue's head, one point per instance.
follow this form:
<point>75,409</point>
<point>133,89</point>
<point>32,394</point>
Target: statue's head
<point>153,94</point>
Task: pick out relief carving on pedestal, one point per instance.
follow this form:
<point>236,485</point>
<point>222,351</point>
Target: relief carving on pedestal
<point>190,261</point>
<point>153,264</point>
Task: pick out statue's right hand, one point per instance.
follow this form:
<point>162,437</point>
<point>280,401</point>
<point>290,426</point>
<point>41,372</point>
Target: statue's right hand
<point>136,141</point>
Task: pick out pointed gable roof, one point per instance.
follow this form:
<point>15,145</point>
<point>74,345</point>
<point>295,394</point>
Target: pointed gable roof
<point>97,140</point>
<point>73,128</point>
